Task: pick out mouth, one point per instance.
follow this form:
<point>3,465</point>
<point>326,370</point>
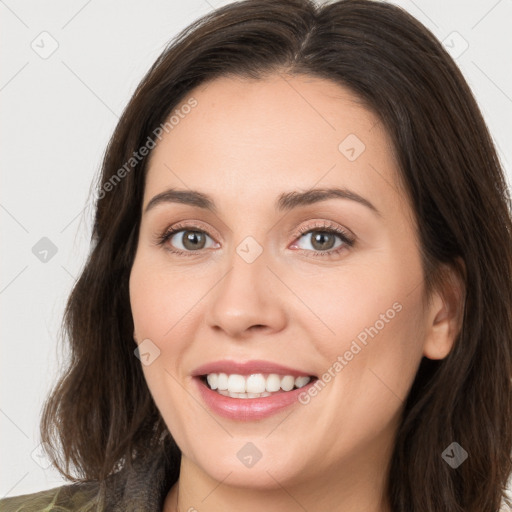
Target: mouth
<point>251,390</point>
<point>255,385</point>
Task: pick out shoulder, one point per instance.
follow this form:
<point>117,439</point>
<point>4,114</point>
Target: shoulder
<point>66,498</point>
<point>140,486</point>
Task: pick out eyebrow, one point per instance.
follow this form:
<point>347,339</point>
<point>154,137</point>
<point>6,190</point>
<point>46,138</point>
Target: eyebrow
<point>285,202</point>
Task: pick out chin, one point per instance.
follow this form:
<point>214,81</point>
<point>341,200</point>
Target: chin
<point>241,467</point>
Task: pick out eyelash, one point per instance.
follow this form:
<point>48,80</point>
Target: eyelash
<point>324,227</point>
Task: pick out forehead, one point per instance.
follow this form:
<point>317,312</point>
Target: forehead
<point>271,135</point>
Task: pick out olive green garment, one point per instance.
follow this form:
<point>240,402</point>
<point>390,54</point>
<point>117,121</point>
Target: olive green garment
<point>143,488</point>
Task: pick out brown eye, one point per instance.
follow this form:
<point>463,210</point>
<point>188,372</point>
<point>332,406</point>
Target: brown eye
<point>186,240</point>
<point>191,240</point>
<point>322,240</point>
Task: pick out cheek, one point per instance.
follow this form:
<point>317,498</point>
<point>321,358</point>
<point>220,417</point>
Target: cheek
<point>160,299</point>
<point>356,302</point>
<point>159,303</point>
<point>165,304</point>
<point>372,319</point>
<point>155,306</point>
<point>382,356</point>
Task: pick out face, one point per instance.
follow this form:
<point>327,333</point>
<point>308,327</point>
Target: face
<point>262,279</point>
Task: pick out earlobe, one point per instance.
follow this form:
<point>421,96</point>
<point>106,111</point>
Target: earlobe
<point>446,313</point>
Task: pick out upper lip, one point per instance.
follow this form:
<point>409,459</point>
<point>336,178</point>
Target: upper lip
<point>247,368</point>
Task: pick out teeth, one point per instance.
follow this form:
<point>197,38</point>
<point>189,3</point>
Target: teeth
<point>273,383</point>
<point>287,383</point>
<point>236,384</point>
<point>255,385</point>
<point>301,381</point>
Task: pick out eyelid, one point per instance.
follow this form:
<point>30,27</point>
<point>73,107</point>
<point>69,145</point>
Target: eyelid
<point>182,226</point>
<point>328,226</point>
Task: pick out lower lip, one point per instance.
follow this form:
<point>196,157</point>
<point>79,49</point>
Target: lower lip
<point>249,409</point>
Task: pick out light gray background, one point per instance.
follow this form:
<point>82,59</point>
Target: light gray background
<point>57,116</point>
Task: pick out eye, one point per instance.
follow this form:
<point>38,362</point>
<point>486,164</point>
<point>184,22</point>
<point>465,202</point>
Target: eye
<point>185,240</point>
<point>322,239</point>
<point>189,240</point>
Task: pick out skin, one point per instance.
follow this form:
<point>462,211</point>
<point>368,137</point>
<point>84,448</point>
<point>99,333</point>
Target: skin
<point>245,143</point>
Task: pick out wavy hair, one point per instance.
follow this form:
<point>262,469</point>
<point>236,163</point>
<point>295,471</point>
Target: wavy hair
<point>100,415</point>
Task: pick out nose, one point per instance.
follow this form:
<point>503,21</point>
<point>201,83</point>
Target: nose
<point>248,300</point>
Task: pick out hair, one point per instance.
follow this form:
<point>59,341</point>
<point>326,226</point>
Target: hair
<point>101,416</point>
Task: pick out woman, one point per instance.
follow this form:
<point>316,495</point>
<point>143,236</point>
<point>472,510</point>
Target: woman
<point>299,291</point>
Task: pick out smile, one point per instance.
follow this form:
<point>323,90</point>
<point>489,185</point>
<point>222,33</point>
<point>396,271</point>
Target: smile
<point>257,385</point>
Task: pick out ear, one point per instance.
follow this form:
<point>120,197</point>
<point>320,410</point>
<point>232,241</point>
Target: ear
<point>446,312</point>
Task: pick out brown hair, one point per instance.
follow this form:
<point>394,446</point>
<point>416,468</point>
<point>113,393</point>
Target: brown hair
<point>101,411</point>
